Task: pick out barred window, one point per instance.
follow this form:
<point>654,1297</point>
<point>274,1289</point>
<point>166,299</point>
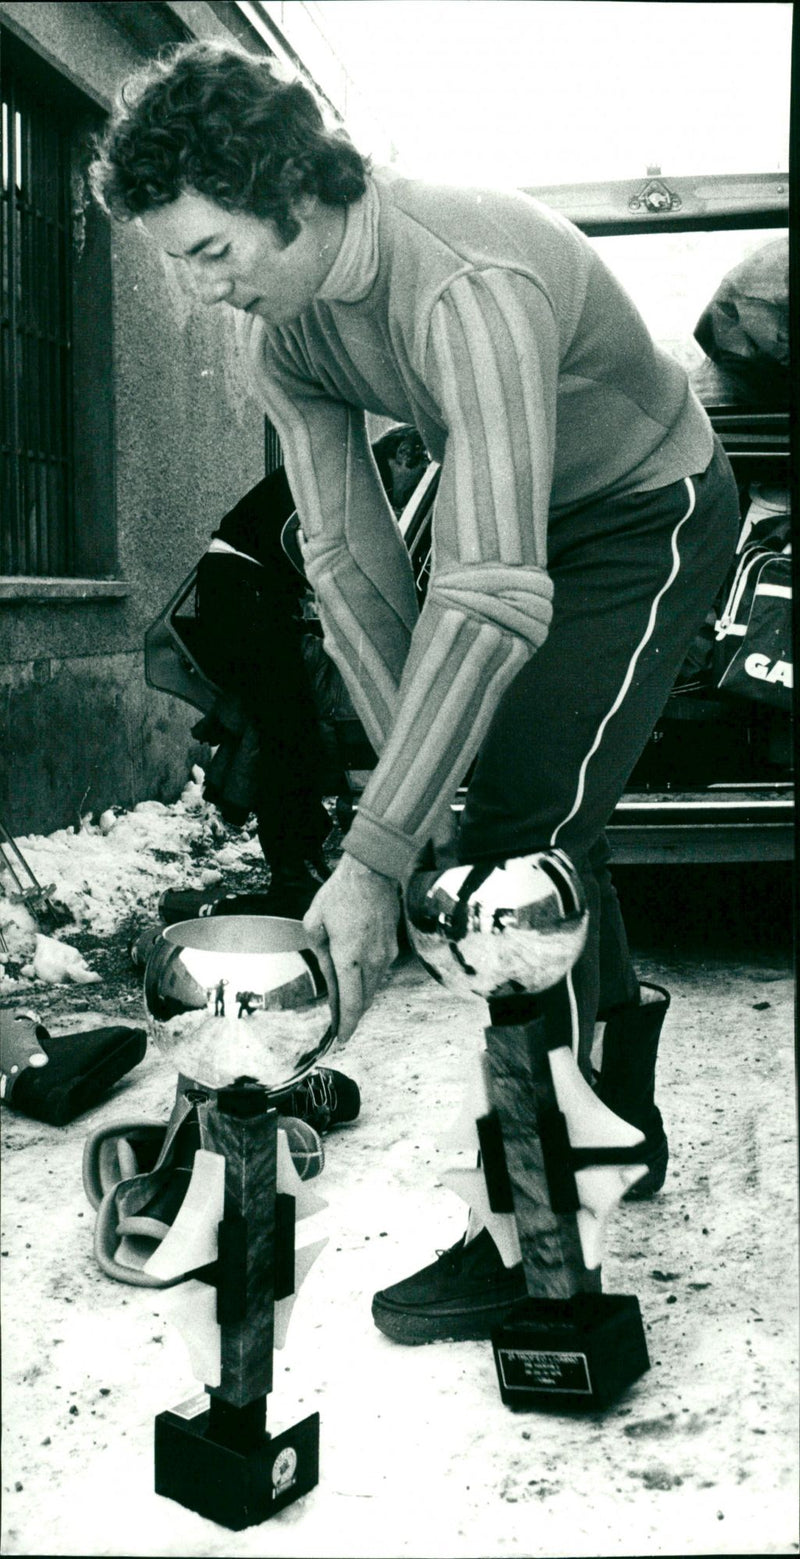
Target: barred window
<point>55,352</point>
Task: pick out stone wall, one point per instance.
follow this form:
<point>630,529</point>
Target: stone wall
<point>76,718</point>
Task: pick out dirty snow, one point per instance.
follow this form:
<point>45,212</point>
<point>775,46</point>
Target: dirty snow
<point>117,867</point>
<point>418,1455</point>
<point>55,962</point>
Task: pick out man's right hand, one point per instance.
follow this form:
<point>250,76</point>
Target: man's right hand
<point>352,925</point>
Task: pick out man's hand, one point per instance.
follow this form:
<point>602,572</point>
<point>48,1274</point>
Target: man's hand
<point>352,924</point>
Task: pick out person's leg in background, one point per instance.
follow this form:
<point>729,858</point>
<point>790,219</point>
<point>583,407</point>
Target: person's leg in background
<point>253,651</point>
<point>292,821</point>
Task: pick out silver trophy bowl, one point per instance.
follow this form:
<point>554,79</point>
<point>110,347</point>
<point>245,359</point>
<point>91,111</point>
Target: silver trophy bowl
<point>494,930</point>
<point>239,997</point>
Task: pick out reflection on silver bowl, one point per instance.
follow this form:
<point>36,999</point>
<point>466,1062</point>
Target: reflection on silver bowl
<point>517,925</point>
<point>241,996</point>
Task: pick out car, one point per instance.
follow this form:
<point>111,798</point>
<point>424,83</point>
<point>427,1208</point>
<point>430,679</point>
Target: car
<point>715,782</point>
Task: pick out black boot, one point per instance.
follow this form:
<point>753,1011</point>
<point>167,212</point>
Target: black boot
<point>626,1083</point>
<point>458,1298</point>
<point>291,889</point>
<point>54,1078</point>
<point>294,883</point>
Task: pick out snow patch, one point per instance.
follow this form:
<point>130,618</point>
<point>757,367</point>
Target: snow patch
<point>112,869</point>
<point>55,962</point>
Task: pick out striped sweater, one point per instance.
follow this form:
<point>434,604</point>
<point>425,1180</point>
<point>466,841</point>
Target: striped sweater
<point>489,323</point>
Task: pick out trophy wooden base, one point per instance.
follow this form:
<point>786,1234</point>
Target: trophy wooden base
<point>569,1355</point>
<point>235,1484</point>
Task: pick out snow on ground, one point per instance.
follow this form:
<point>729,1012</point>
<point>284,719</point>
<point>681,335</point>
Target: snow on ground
<point>418,1455</point>
<point>115,869</point>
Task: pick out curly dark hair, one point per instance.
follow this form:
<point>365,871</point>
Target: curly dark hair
<point>211,118</point>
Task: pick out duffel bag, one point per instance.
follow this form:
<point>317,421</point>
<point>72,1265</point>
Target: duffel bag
<point>753,634</point>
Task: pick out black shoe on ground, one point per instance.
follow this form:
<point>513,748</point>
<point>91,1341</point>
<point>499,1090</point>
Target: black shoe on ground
<point>460,1297</point>
<point>289,895</point>
<point>325,1099</point>
<point>143,943</point>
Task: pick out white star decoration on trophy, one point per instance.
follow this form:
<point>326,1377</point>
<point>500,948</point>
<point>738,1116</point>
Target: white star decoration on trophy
<point>192,1242</point>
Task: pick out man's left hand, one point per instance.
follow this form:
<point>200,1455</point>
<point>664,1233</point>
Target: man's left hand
<point>352,924</point>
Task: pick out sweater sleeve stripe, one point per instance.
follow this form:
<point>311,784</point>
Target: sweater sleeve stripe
<point>352,550</point>
<point>372,685</point>
<point>374,835</point>
<point>493,346</point>
<point>444,726</point>
<point>465,445</point>
<point>534,422</point>
<point>482,338</point>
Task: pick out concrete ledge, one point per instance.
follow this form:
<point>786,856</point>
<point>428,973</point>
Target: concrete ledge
<point>28,588</point>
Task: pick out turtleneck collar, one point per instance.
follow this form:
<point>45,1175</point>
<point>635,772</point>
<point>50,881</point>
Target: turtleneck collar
<point>353,272</point>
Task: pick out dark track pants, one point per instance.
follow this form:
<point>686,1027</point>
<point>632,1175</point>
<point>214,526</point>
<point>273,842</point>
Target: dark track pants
<point>633,579</point>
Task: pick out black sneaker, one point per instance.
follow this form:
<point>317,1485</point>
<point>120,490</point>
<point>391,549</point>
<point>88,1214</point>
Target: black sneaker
<point>325,1099</point>
<point>459,1298</point>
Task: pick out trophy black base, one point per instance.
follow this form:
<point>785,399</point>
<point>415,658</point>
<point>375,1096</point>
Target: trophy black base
<point>236,1487</point>
<point>569,1355</point>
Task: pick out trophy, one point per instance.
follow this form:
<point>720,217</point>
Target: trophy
<point>553,1160</point>
<point>239,1005</point>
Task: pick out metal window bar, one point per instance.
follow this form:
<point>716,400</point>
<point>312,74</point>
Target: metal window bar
<point>37,533</point>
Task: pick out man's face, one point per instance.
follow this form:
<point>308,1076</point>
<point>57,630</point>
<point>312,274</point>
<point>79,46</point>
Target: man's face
<point>231,257</point>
